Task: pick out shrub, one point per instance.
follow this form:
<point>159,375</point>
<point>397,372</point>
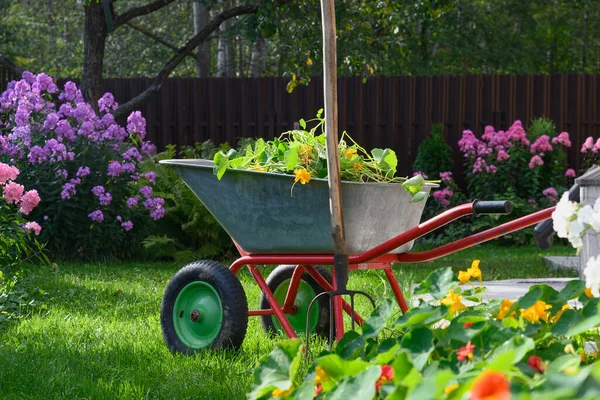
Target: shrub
<point>86,168</point>
<point>446,348</point>
<point>434,154</point>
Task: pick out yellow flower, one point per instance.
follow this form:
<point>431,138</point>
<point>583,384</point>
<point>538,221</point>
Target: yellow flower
<point>305,151</point>
<point>302,175</point>
<point>569,349</point>
<point>536,312</point>
<point>282,393</point>
<point>588,292</point>
<point>454,300</point>
<point>504,307</point>
<point>321,376</point>
<point>309,62</point>
<point>474,271</point>
<point>560,313</point>
<point>349,153</point>
<point>451,388</point>
<point>464,277</point>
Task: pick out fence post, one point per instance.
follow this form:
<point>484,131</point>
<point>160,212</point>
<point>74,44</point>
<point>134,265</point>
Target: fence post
<point>589,191</point>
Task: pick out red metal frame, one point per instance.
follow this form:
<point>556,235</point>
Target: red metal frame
<point>375,258</point>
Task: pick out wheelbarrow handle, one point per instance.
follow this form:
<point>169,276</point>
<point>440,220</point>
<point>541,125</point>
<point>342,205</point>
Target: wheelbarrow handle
<point>491,207</point>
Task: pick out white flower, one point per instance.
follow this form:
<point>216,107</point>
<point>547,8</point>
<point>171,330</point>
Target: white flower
<point>565,211</point>
<point>592,275</point>
<point>597,205</point>
<point>585,214</point>
<point>594,221</point>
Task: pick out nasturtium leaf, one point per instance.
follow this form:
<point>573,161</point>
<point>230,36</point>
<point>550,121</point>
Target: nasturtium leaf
<point>591,318</point>
<point>387,351</point>
<point>457,331</point>
<point>432,387</point>
<point>277,369</point>
<point>414,184</point>
<point>437,283</point>
<point>563,362</point>
<point>377,320</point>
<point>425,315</point>
<point>419,197</point>
<point>402,365</point>
<point>337,368</point>
<point>566,322</point>
<point>221,161</point>
<point>291,158</point>
<point>518,345</point>
<point>531,297</point>
<point>419,342</point>
<point>302,123</point>
<point>572,290</point>
<point>350,346</point>
<point>361,386</point>
<point>306,389</point>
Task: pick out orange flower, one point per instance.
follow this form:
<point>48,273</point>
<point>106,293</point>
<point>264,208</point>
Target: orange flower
<point>302,175</point>
<point>466,352</point>
<point>357,166</point>
<point>536,363</point>
<point>504,307</point>
<point>588,292</point>
<point>490,385</point>
<point>387,374</point>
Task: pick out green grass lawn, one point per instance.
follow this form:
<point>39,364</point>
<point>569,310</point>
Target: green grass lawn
<point>96,332</point>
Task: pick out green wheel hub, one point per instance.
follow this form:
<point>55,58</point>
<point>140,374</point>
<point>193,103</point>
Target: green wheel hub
<point>303,298</point>
<point>197,315</point>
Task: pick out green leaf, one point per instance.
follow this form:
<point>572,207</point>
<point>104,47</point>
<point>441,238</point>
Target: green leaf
<point>277,369</point>
<point>591,319</point>
<point>361,386</point>
<point>530,297</point>
<point>457,331</point>
<point>432,387</point>
<point>351,346</point>
<point>402,366</point>
<point>419,342</point>
<point>419,197</point>
<point>566,322</point>
<point>377,320</point>
<point>425,315</point>
<point>572,290</point>
<point>437,283</point>
<point>302,123</point>
<point>291,158</point>
<point>338,368</point>
<point>517,347</point>
<point>414,184</point>
<point>387,351</point>
<point>386,160</point>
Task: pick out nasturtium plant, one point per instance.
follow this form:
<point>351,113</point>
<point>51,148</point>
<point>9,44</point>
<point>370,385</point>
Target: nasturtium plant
<point>302,152</point>
<point>456,344</point>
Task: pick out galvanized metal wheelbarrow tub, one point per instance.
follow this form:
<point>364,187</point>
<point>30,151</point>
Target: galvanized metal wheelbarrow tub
<point>262,213</point>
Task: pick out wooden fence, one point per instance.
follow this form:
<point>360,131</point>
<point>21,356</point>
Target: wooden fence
<point>395,112</point>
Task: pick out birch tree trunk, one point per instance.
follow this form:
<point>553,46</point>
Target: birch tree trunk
<point>201,18</point>
<point>258,58</point>
<point>225,52</point>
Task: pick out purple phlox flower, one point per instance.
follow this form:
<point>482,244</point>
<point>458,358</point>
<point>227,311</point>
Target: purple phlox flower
<point>62,173</point>
<point>127,225</point>
<point>44,82</point>
<point>148,148</point>
<point>98,190</point>
<point>106,121</point>
<point>84,112</point>
<point>563,139</point>
<point>154,202</point>
<point>69,190</point>
<point>132,154</point>
<point>128,167</point>
<point>105,199</point>
<point>51,121</point>
<point>96,216</point>
<point>82,171</point>
<point>22,117</point>
<point>86,129</point>
<point>107,103</point>
<point>28,77</point>
<point>37,155</point>
<point>21,88</point>
<point>157,213</point>
<point>114,169</point>
<point>118,218</point>
<point>133,201</point>
<point>570,173</point>
<point>66,109</point>
<point>151,176</point>
<point>541,144</point>
<point>146,191</point>
<point>137,124</point>
<point>64,130</point>
<point>70,92</point>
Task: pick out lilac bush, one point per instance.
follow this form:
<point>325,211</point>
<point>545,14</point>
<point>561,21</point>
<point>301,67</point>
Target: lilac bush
<point>96,200</point>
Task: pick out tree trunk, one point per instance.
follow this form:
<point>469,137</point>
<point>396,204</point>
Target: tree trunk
<point>225,64</point>
<point>258,58</point>
<point>94,40</point>
<point>201,18</point>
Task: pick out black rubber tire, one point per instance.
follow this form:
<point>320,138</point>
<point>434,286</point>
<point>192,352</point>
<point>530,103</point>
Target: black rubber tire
<point>285,272</point>
<point>233,301</point>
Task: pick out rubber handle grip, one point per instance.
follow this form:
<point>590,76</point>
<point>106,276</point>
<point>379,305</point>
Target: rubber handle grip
<point>544,234</point>
<point>491,207</point>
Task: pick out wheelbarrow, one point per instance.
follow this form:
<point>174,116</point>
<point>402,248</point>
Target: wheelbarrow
<point>204,305</point>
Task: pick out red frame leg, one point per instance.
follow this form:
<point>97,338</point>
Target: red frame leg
<point>396,288</point>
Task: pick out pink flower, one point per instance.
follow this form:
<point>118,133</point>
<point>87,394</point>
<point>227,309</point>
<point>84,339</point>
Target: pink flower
<point>587,145</point>
<point>7,172</point>
<point>535,160</point>
<point>570,173</point>
<point>468,142</point>
<point>33,226</point>
<point>13,192</point>
<point>29,201</point>
<point>440,195</point>
<point>516,133</point>
<point>479,165</point>
<point>466,352</point>
<point>541,144</point>
<point>531,201</point>
<point>502,155</point>
<point>491,169</point>
<point>423,174</point>
<point>550,192</point>
<point>446,177</point>
<point>563,139</point>
<point>596,146</point>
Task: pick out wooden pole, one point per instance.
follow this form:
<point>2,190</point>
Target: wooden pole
<point>340,266</point>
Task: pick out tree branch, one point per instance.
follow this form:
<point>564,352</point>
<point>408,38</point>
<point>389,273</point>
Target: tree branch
<point>181,53</point>
<point>151,35</point>
<point>139,11</point>
<point>11,66</point>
